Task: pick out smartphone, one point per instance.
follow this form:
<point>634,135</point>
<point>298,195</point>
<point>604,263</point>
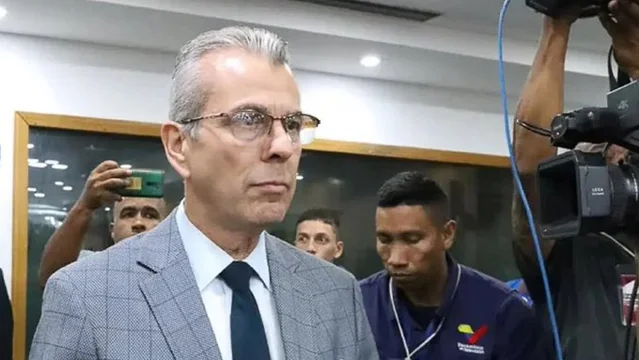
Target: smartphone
<point>148,183</point>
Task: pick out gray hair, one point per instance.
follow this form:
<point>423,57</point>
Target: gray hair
<point>187,99</point>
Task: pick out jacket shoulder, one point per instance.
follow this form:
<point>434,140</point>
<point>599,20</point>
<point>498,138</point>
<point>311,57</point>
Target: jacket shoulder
<point>323,273</point>
<point>117,261</point>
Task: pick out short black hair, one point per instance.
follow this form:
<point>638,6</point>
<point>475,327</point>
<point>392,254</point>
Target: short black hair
<point>414,188</point>
<point>328,216</point>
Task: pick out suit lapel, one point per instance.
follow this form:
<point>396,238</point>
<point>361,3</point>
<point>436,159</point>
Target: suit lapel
<point>293,294</point>
<point>173,296</point>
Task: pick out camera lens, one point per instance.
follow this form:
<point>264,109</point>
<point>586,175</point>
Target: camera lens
<point>625,196</point>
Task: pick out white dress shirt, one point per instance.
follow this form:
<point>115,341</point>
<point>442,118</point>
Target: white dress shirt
<point>207,262</point>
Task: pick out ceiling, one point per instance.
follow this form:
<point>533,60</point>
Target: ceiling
<point>522,22</point>
<point>446,51</point>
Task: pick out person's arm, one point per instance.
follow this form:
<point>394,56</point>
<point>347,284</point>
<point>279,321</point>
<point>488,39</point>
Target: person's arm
<point>63,247</point>
<point>541,99</point>
<point>64,330</point>
<point>518,333</point>
<point>622,24</point>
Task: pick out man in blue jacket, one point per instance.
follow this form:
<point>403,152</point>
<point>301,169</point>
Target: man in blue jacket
<point>426,306</point>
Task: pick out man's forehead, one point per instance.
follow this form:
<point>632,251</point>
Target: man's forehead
<point>139,203</point>
<point>238,78</point>
<point>314,226</point>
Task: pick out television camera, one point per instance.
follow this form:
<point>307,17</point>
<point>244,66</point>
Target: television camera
<point>555,8</point>
<point>580,192</point>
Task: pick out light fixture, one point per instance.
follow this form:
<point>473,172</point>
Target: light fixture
<point>51,162</point>
<point>30,146</point>
<point>39,195</point>
<point>370,61</point>
<point>334,181</point>
<point>59,166</point>
<point>37,165</point>
<point>3,12</point>
<point>59,183</point>
<point>33,161</point>
<point>64,209</point>
<point>126,166</point>
<point>67,188</point>
<point>107,209</point>
<point>30,189</point>
<point>300,177</point>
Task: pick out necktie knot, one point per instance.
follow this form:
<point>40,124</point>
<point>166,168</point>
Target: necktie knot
<point>237,275</point>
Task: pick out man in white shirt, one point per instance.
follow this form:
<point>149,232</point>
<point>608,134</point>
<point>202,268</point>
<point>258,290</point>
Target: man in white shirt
<point>208,261</point>
<point>208,282</point>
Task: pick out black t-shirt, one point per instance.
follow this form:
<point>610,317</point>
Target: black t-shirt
<point>585,287</point>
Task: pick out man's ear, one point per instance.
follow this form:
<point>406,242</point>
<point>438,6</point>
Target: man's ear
<point>176,145</point>
<point>340,249</point>
<point>449,233</point>
<point>111,227</point>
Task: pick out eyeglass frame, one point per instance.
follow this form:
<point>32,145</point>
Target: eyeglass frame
<point>269,117</point>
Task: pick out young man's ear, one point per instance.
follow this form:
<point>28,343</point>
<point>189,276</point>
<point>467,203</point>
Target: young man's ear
<point>340,249</point>
<point>449,233</point>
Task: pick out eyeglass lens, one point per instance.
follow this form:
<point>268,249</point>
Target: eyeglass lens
<point>248,125</point>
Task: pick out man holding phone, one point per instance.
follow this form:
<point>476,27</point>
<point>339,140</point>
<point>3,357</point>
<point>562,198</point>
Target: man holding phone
<point>131,215</point>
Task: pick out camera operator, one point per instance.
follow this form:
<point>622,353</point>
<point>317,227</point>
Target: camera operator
<point>582,271</point>
<point>131,215</point>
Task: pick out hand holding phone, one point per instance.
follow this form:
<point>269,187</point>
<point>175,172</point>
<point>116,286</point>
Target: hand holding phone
<point>147,183</point>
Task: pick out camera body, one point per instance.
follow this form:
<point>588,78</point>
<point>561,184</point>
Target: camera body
<point>581,193</point>
<point>555,8</point>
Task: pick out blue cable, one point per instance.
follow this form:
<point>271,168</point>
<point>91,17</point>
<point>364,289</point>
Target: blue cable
<point>520,187</point>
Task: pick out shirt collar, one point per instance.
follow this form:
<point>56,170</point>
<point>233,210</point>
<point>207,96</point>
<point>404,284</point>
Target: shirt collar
<point>208,260</point>
<point>449,290</point>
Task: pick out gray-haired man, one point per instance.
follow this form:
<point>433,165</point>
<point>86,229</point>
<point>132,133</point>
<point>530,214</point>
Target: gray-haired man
<point>208,282</point>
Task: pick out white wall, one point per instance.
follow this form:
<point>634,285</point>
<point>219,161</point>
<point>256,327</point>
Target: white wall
<point>50,76</point>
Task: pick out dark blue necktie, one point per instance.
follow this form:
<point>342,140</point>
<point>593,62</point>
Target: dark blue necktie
<point>248,340</point>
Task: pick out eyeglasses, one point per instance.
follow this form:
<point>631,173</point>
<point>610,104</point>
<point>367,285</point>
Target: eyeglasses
<point>248,125</point>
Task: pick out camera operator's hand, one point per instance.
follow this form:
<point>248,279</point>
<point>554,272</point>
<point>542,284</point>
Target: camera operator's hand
<point>622,23</point>
<point>101,183</point>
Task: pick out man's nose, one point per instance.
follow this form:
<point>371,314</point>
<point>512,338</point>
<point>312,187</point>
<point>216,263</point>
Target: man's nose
<point>311,249</point>
<point>280,145</point>
<point>138,225</point>
<point>398,257</point>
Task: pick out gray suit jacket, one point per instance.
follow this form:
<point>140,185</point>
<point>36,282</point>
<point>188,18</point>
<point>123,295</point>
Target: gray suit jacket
<point>139,300</point>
